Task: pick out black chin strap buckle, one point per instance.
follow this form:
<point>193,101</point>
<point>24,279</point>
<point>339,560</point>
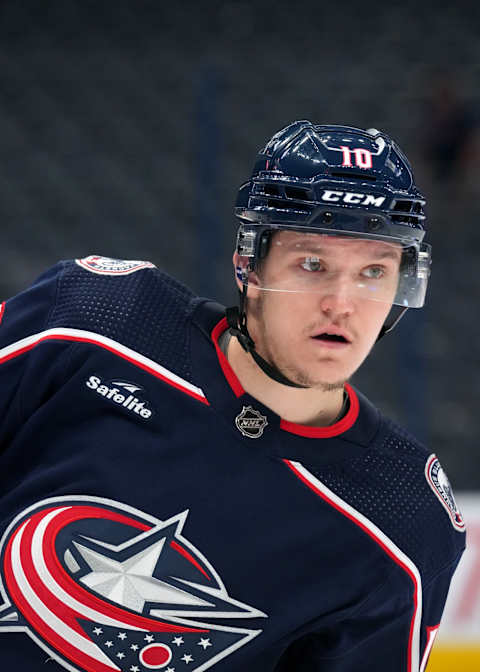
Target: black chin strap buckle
<point>238,328</point>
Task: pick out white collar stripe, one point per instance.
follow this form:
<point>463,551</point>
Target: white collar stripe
<point>384,542</point>
<point>80,336</point>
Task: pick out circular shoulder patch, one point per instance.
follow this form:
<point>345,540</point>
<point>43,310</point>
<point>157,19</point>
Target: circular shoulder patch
<point>438,481</point>
<point>108,266</point>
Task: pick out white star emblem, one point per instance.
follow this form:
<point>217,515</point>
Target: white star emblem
<point>205,643</point>
<point>187,658</point>
<point>109,643</point>
<point>148,638</point>
<point>134,668</point>
<point>130,583</point>
<point>177,641</point>
<point>120,655</point>
<point>170,669</point>
<point>122,635</point>
<point>97,631</point>
<point>134,647</point>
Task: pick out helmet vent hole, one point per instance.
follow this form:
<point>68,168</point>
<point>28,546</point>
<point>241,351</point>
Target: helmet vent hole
<point>403,206</point>
<point>271,190</point>
<point>406,220</point>
<point>298,194</point>
<point>274,203</point>
<point>287,206</point>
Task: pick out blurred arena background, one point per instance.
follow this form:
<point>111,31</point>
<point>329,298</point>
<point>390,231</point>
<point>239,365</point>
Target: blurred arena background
<point>127,127</point>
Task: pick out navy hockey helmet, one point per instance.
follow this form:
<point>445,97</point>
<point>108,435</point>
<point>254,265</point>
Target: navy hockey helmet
<point>341,181</point>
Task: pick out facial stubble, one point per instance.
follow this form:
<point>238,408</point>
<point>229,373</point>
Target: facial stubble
<point>265,346</point>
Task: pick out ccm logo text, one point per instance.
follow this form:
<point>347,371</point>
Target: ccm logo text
<point>352,198</point>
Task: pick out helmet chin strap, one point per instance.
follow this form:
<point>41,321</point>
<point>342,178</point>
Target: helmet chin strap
<point>237,321</point>
<point>393,318</point>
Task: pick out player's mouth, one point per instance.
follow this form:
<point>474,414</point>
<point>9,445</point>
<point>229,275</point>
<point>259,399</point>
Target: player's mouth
<point>332,338</point>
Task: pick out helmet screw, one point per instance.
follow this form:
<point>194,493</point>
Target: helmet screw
<point>374,224</point>
<point>327,217</point>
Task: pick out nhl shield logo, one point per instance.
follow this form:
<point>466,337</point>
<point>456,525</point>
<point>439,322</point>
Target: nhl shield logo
<point>438,481</point>
<point>251,423</point>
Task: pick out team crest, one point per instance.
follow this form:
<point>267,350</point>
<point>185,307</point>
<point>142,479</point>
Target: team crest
<point>108,266</point>
<point>440,485</point>
<point>101,586</point>
<point>250,422</point>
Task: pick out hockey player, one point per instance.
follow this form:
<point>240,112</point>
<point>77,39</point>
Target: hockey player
<point>184,488</point>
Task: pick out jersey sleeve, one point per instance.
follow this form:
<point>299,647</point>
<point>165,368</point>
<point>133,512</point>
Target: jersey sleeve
<point>434,599</point>
<point>28,359</point>
<point>96,301</point>
<point>384,634</point>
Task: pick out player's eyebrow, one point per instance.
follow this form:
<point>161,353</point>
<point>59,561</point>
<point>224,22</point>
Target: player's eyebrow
<point>306,246</point>
<point>394,254</point>
<point>303,246</point>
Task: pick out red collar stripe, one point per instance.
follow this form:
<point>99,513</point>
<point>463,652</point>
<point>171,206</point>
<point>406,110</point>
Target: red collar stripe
<point>228,372</point>
<point>332,430</point>
<point>302,430</point>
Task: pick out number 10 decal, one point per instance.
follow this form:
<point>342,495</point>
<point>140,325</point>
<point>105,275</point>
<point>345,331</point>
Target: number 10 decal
<point>363,158</point>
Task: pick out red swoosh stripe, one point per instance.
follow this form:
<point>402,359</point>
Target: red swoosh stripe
<point>188,556</point>
<point>82,594</point>
<point>73,654</point>
<point>65,613</point>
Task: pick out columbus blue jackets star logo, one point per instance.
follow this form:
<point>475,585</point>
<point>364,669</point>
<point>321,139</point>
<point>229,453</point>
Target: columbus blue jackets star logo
<point>101,586</point>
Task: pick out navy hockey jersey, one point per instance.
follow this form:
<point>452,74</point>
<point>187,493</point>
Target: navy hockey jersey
<point>154,516</point>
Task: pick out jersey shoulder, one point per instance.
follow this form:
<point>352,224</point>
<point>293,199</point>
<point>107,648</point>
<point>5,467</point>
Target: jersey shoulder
<point>399,485</point>
<point>130,302</point>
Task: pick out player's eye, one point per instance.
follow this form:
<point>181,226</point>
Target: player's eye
<point>374,272</point>
<point>312,264</point>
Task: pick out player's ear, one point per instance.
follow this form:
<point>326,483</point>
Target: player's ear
<point>240,264</point>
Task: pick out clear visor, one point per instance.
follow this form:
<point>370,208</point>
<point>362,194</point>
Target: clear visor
<point>358,265</point>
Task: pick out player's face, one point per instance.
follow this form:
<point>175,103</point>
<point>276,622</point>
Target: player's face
<point>310,309</point>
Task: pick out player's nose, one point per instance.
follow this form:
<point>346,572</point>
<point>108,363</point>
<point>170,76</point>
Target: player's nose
<point>338,299</point>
